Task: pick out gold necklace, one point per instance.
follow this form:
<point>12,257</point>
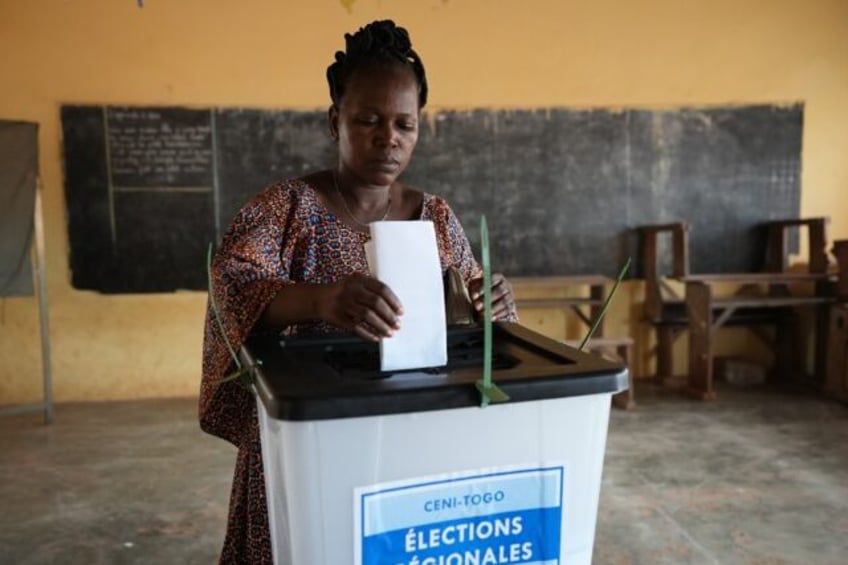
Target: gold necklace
<point>349,213</point>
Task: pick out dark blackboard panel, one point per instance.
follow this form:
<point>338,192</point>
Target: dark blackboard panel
<point>563,189</point>
<point>159,248</point>
<point>726,171</point>
<point>87,198</point>
<point>139,214</point>
<point>551,183</point>
<point>258,147</point>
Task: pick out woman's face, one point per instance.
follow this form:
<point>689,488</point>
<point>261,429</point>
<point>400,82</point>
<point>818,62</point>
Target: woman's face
<point>377,124</point>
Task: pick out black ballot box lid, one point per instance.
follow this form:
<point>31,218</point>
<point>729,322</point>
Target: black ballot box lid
<point>338,376</point>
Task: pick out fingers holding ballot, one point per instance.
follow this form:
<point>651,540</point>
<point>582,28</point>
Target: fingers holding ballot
<point>503,302</point>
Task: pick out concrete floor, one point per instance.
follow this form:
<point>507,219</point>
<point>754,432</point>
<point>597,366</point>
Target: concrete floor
<point>756,477</point>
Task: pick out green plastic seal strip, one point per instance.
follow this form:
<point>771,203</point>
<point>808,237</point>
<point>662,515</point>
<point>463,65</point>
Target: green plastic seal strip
<point>606,303</point>
<point>489,391</point>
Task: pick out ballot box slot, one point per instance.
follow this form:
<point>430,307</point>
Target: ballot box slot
<point>352,357</point>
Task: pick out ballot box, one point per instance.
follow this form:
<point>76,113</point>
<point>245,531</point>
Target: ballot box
<point>370,468</point>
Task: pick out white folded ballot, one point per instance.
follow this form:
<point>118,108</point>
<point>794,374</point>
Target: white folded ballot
<point>405,256</point>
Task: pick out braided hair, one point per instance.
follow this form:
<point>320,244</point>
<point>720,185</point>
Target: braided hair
<point>380,43</point>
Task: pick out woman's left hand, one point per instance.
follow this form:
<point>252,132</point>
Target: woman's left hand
<point>503,303</point>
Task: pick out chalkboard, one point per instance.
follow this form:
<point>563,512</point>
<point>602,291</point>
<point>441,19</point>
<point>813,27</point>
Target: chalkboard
<point>148,188</point>
<point>140,197</point>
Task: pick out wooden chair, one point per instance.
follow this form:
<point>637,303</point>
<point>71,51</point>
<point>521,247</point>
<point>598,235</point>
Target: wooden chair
<point>777,250</point>
<point>777,258</point>
<point>702,314</point>
<point>665,310</point>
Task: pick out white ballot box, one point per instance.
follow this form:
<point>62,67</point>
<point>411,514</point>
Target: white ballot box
<point>363,467</point>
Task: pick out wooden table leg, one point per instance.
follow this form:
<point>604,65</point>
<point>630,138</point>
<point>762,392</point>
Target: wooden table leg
<point>787,365</point>
<point>836,383</point>
<point>822,331</point>
<point>699,311</point>
<point>665,354</point>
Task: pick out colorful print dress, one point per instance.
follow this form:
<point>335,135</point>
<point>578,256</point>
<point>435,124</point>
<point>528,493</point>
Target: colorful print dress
<point>284,235</point>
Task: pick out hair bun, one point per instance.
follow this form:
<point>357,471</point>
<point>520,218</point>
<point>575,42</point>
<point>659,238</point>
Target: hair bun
<point>387,34</point>
<point>376,37</point>
<point>381,41</point>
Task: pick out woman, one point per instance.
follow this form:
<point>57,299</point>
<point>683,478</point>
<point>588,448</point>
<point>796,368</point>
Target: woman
<point>294,260</point>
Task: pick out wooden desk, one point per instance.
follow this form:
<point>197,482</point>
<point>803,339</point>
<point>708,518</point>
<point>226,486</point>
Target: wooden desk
<point>703,313</point>
<point>706,313</point>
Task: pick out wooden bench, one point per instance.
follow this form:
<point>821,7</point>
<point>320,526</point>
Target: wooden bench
<point>586,308</point>
<point>763,298</point>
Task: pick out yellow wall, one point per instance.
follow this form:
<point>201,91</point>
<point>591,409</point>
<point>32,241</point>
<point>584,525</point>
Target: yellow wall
<point>272,53</point>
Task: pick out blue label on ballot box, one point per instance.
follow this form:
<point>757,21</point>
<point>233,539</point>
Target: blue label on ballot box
<point>493,518</point>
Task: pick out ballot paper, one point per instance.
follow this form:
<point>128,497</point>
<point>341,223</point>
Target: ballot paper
<point>405,256</point>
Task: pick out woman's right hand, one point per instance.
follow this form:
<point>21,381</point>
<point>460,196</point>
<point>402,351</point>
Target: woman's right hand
<point>364,305</point>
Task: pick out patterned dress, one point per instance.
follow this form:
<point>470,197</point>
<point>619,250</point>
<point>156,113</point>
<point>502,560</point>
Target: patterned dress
<point>284,235</point>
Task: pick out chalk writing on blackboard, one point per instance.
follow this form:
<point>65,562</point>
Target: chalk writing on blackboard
<point>158,148</point>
